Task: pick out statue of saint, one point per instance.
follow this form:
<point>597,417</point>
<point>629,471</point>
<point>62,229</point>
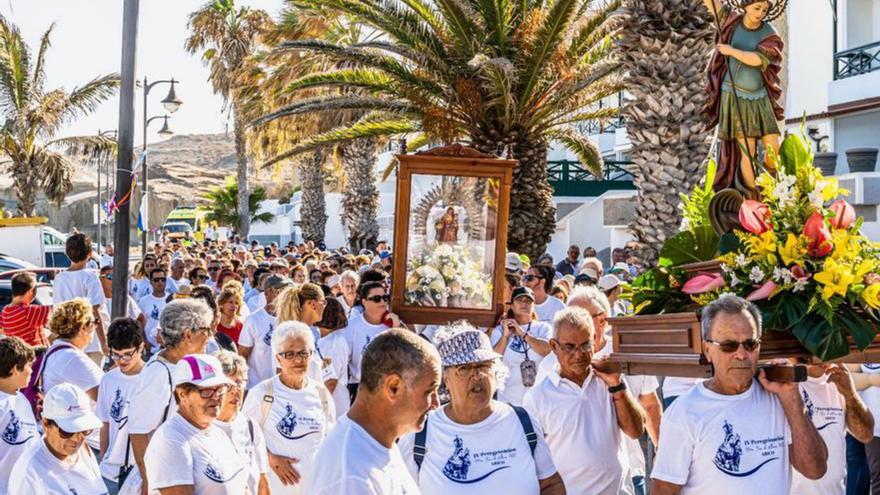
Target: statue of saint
<point>447,227</point>
<point>743,89</point>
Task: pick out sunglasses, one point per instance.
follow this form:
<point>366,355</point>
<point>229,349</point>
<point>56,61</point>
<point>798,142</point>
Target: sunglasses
<point>378,299</point>
<point>292,355</point>
<point>529,278</point>
<point>68,435</point>
<point>159,279</point>
<point>199,277</point>
<point>108,276</point>
<point>731,346</point>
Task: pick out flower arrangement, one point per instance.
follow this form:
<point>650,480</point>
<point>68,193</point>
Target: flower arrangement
<point>800,257</point>
<point>448,275</point>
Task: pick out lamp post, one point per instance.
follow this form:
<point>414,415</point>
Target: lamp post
<point>171,103</point>
<point>107,185</point>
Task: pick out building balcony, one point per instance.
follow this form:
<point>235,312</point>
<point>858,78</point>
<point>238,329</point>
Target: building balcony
<point>856,84</point>
<point>857,61</point>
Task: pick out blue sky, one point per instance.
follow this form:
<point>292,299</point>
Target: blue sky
<point>87,42</point>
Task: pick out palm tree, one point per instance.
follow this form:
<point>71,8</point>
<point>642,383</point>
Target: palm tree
<point>223,205</point>
<point>508,75</point>
<point>33,116</point>
<point>226,36</point>
<point>360,196</point>
<point>664,46</point>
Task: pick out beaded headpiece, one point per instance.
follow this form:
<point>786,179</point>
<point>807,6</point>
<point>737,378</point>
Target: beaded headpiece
<point>777,7</point>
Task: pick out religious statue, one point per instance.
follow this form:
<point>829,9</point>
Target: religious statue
<point>447,227</point>
<point>743,96</point>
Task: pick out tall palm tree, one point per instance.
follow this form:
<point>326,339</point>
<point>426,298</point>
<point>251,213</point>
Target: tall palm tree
<point>33,115</point>
<point>226,36</point>
<point>664,46</point>
<point>223,205</point>
<point>505,75</point>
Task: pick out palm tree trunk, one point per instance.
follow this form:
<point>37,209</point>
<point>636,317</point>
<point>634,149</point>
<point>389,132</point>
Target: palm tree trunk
<point>313,210</point>
<point>244,214</point>
<point>360,197</point>
<point>665,45</point>
<point>25,189</point>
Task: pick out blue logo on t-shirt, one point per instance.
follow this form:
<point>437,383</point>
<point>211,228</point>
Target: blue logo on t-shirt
<point>458,464</point>
<point>729,454</point>
<point>518,344</point>
<point>288,424</point>
<point>154,314</point>
<point>811,409</point>
<point>366,343</point>
<point>214,474</point>
<point>116,408</point>
<point>13,428</point>
<point>267,338</point>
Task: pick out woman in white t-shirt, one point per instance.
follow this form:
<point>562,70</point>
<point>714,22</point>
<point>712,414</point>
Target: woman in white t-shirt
<point>242,430</point>
<point>523,341</point>
<point>73,323</point>
<point>363,328</point>
<point>295,413</point>
<point>61,462</point>
<point>474,445</point>
<point>335,352</point>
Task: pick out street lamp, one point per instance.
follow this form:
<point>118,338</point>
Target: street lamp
<point>172,104</point>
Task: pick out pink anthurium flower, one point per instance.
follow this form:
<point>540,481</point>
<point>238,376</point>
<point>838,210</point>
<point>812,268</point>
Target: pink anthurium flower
<point>820,237</point>
<point>754,216</point>
<point>703,282</point>
<point>762,292</point>
<point>844,215</point>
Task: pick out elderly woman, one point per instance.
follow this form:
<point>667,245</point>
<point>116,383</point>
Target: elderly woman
<point>304,303</point>
<point>61,462</point>
<point>185,328</point>
<point>294,412</point>
<point>457,451</point>
<point>523,341</point>
<point>348,283</point>
<point>190,454</point>
<point>245,434</point>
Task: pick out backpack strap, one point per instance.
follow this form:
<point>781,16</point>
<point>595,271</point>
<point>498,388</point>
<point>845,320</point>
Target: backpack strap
<point>268,399</point>
<point>419,450</point>
<point>527,427</point>
<point>170,386</point>
<point>250,429</point>
<point>39,381</point>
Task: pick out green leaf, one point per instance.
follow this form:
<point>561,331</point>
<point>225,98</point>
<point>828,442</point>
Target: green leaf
<point>793,153</point>
<point>861,330</point>
<point>729,243</point>
<point>690,247</point>
<point>784,311</point>
<point>821,339</point>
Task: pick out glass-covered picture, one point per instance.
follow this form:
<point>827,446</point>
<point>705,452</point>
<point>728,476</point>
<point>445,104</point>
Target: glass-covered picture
<point>451,249</point>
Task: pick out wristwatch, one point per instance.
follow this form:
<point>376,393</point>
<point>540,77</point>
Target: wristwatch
<point>617,388</point>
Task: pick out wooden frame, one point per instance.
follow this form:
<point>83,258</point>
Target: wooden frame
<point>450,161</point>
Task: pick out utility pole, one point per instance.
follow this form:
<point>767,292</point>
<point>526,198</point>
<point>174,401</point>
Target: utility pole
<point>125,141</point>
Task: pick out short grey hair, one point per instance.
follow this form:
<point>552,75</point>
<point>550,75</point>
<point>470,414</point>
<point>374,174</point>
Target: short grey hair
<point>232,363</point>
<point>350,275</point>
<point>575,317</point>
<point>292,330</point>
<point>590,296</point>
<point>729,304</point>
<point>396,352</point>
<point>181,315</point>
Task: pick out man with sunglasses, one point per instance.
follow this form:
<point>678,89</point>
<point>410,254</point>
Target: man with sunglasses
<point>152,305</point>
<point>61,462</point>
<point>117,388</point>
<point>539,278</point>
<point>733,434</point>
<point>214,269</point>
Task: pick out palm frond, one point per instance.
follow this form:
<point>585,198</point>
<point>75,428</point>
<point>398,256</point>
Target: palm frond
<point>548,38</point>
<point>584,148</point>
<point>464,28</point>
<point>14,68</point>
<point>412,144</point>
<point>55,173</point>
<point>96,148</point>
<point>325,104</point>
<point>85,99</point>
<point>39,75</point>
<point>369,79</point>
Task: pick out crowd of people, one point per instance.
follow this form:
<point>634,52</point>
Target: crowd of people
<point>247,369</point>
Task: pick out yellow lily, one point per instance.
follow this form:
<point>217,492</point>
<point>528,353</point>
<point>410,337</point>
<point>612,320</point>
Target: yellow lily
<point>764,244</point>
<point>836,279</point>
<point>864,268</point>
<point>832,189</point>
<point>793,251</point>
<point>871,296</point>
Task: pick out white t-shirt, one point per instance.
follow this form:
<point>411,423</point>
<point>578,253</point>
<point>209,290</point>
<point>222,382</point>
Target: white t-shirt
<point>114,400</point>
<point>638,386</point>
<point>256,301</point>
<point>256,333</point>
<point>359,333</point>
<point>491,456</point>
<point>18,431</point>
<point>674,386</point>
<point>71,365</point>
<point>144,287</point>
<point>514,354</point>
<point>295,426</point>
<point>81,283</point>
<point>335,347</point>
<point>725,444</point>
<point>153,396</point>
<point>251,449</point>
<point>827,408</point>
<point>39,471</point>
<point>351,461</point>
<point>548,309</point>
<point>132,311</point>
<point>580,424</point>
<point>181,454</point>
<point>871,395</point>
<point>151,306</point>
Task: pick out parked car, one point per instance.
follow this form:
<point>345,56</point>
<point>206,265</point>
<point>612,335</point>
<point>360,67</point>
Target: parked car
<point>44,294</point>
<point>44,275</point>
<point>8,262</point>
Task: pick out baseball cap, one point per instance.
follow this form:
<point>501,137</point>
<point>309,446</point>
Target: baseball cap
<point>513,263</point>
<point>276,282</point>
<point>588,274</point>
<point>525,261</point>
<point>280,262</point>
<point>608,282</point>
<point>69,407</point>
<point>470,346</point>
<point>333,281</point>
<point>522,292</point>
<point>201,370</point>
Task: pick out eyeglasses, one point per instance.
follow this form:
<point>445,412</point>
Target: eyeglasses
<point>123,356</point>
<point>206,330</point>
<point>378,299</point>
<point>68,435</point>
<point>731,346</point>
<point>585,348</point>
<point>294,356</point>
<point>159,279</point>
<point>529,278</point>
<point>467,370</point>
<point>207,393</point>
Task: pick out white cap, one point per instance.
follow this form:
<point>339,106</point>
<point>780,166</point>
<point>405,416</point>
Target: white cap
<point>333,281</point>
<point>201,370</point>
<point>69,407</point>
<point>513,262</point>
<point>608,282</point>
